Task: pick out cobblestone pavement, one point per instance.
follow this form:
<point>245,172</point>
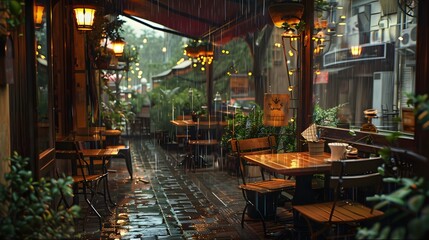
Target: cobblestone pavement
<point>164,201</point>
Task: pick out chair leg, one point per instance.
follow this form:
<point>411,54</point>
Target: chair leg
<point>248,203</point>
<point>89,201</point>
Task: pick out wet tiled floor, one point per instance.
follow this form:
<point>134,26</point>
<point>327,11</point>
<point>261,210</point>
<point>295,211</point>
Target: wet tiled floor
<point>165,201</point>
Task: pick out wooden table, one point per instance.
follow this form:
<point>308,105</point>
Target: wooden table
<point>298,164</point>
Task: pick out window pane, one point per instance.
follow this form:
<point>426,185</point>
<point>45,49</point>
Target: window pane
<point>364,59</point>
<point>42,76</point>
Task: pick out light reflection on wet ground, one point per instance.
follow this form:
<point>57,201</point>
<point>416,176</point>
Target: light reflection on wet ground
<point>164,201</point>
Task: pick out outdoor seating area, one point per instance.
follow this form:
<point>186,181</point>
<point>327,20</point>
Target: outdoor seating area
<point>167,200</point>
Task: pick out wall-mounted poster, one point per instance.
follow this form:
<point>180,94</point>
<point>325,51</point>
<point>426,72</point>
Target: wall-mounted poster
<point>276,109</point>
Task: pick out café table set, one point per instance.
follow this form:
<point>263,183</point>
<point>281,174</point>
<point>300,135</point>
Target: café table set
<point>197,142</point>
<point>89,147</point>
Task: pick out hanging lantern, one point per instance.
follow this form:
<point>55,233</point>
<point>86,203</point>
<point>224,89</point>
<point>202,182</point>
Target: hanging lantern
<point>38,15</point>
<point>118,47</point>
<point>84,17</point>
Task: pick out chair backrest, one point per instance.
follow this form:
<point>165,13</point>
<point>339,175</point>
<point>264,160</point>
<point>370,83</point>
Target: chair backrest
<point>250,146</point>
<point>255,145</point>
<point>353,173</point>
<point>69,150</point>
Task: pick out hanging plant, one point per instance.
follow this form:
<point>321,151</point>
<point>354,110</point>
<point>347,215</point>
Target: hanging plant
<point>286,12</point>
<point>105,28</point>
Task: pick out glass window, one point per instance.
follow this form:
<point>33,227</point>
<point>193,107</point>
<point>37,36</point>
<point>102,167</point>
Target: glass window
<point>364,62</point>
<point>42,76</point>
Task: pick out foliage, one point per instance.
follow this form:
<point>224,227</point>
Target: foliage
<point>250,125</point>
<point>326,117</point>
<point>138,100</point>
<point>10,15</point>
<point>163,100</point>
<point>321,5</point>
<point>115,113</point>
<point>407,207</point>
<point>25,205</point>
<point>103,29</point>
<point>299,27</point>
<point>421,109</point>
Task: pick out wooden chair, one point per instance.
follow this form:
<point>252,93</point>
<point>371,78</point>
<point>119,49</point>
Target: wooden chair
<point>345,174</point>
<point>266,190</point>
<point>83,183</point>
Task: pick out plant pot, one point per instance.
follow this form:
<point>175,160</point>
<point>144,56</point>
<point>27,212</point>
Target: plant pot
<point>286,12</point>
<point>316,148</point>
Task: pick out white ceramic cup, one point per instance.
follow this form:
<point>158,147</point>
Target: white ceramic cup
<point>338,150</point>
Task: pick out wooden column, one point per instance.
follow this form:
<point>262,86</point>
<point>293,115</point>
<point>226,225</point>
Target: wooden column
<point>422,71</point>
<point>305,96</point>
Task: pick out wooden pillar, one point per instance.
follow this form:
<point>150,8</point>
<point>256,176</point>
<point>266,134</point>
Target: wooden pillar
<point>305,96</point>
<point>422,71</point>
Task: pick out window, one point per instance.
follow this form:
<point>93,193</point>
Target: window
<point>364,58</point>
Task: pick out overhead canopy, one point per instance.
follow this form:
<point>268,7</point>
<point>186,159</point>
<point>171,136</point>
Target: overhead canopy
<point>216,20</point>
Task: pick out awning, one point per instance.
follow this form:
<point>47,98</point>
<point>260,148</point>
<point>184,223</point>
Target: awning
<point>179,69</point>
<point>216,20</point>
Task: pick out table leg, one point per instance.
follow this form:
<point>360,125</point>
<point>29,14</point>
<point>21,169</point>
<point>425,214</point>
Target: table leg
<point>106,183</point>
<point>303,190</point>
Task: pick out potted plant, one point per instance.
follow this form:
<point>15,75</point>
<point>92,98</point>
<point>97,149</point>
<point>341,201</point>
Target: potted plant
<point>26,210</point>
<point>115,113</point>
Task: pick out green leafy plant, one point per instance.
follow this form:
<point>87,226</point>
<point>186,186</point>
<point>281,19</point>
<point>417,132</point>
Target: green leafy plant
<point>115,113</point>
<point>250,125</point>
<point>163,99</point>
<point>326,117</point>
<point>421,109</point>
<point>26,210</point>
<point>10,15</point>
<point>407,207</point>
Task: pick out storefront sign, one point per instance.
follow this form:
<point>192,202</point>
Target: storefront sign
<point>276,109</point>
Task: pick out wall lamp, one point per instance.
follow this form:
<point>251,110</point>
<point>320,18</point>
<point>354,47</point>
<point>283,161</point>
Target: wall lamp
<point>84,17</point>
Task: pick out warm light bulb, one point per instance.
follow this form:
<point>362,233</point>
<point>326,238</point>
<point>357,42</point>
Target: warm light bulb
<point>356,50</point>
<point>290,88</point>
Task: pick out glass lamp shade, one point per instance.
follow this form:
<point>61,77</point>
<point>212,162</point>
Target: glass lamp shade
<point>84,17</point>
<point>38,15</point>
<point>118,47</point>
<point>356,50</point>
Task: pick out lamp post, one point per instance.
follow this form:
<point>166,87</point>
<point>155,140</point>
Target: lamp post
<point>217,101</point>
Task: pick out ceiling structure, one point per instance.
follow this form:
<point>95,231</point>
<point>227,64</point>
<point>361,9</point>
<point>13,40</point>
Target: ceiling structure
<point>216,20</point>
